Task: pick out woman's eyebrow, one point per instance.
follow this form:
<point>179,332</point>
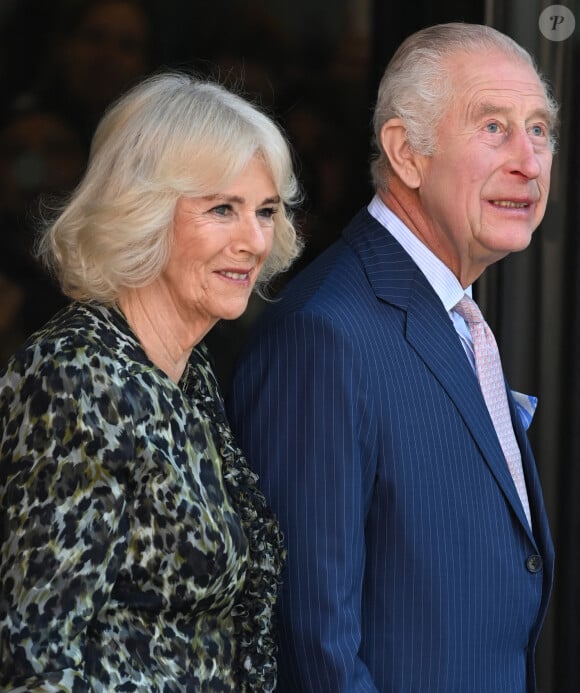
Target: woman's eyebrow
<point>238,199</point>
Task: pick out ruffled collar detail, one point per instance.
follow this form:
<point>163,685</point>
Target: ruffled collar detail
<point>254,613</point>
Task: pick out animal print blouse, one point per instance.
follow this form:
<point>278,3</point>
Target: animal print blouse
<point>136,553</point>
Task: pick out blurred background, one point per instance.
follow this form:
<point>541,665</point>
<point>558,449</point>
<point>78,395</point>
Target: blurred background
<point>314,65</point>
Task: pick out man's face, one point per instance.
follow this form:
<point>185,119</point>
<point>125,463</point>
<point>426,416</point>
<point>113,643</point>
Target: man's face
<point>485,189</point>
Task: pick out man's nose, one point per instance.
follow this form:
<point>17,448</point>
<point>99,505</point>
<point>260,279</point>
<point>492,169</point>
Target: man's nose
<point>526,160</point>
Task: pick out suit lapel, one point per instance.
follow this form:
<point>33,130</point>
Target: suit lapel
<point>397,280</point>
<point>428,324</point>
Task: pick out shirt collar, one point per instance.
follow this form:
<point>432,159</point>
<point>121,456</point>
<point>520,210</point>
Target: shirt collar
<point>443,281</point>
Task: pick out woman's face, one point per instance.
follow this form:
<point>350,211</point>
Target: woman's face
<point>219,246</point>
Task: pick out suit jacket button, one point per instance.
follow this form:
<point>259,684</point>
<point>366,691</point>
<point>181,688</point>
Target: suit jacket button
<point>534,563</point>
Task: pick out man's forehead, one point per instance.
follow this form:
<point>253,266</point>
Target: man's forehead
<point>479,81</point>
<point>509,104</point>
<point>495,62</point>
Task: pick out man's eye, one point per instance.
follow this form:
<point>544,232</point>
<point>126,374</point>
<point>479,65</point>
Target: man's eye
<point>538,130</point>
<point>492,127</point>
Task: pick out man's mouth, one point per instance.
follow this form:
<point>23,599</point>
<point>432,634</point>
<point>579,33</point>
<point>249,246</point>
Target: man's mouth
<point>510,204</point>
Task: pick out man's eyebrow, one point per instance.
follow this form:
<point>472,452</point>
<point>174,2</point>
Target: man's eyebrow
<point>487,108</point>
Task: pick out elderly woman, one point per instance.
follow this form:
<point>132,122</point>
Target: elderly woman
<point>136,553</point>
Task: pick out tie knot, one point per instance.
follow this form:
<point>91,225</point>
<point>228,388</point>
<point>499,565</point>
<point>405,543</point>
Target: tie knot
<point>469,310</point>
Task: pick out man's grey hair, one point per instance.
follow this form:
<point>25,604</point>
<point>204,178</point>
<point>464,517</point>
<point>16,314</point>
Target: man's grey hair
<point>417,86</point>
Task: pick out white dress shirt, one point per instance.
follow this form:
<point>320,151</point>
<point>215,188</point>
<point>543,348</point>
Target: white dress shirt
<point>444,282</point>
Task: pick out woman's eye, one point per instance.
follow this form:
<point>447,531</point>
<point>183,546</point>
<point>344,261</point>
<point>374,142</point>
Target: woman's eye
<point>267,212</point>
<point>221,210</point>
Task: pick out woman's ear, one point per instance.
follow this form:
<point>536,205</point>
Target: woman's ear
<point>405,163</point>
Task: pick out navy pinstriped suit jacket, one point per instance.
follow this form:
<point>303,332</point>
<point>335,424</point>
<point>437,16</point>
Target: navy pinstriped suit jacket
<point>410,566</point>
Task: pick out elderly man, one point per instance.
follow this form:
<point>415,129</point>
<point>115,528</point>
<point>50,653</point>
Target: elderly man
<point>373,404</point>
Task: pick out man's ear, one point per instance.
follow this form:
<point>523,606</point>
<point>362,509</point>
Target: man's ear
<point>406,163</point>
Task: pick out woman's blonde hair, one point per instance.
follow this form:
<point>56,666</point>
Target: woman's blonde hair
<point>172,135</point>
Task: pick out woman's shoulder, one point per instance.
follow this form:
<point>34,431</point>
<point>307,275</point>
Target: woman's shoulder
<point>80,350</point>
<point>78,333</point>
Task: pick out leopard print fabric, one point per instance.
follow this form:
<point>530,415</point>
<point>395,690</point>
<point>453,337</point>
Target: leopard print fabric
<point>136,552</point>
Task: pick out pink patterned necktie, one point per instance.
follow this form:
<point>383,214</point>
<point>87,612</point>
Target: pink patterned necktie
<point>491,381</point>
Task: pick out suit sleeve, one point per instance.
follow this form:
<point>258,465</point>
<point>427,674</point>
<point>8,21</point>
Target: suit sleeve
<point>296,405</point>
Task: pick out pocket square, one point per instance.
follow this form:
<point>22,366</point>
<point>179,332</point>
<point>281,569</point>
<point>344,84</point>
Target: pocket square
<point>526,407</point>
